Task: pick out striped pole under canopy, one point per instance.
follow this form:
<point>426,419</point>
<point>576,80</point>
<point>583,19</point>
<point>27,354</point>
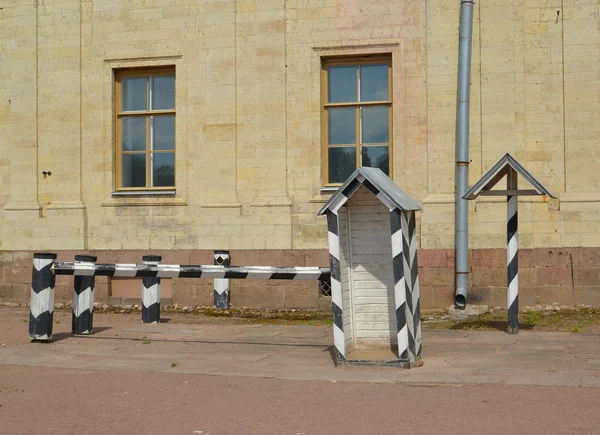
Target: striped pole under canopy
<point>83,297</point>
<point>41,303</point>
<point>151,292</point>
<point>221,285</point>
<point>512,253</point>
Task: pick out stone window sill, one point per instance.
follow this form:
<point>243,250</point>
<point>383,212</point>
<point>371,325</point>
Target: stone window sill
<point>144,198</point>
<point>143,192</point>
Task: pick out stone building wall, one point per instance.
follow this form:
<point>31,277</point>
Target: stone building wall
<point>248,124</point>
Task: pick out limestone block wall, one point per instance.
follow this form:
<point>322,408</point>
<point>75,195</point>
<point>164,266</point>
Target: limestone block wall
<point>534,94</point>
<point>247,123</point>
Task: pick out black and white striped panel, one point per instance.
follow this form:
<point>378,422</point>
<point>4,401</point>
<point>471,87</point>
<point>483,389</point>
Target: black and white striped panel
<point>333,231</point>
<point>347,193</point>
<point>41,303</point>
<point>83,297</point>
<point>151,292</point>
<point>193,271</point>
<point>353,187</point>
<point>513,264</point>
<point>399,284</point>
<point>221,285</point>
<point>411,275</point>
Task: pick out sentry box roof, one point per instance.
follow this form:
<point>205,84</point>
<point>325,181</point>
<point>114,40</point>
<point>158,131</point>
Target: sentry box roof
<point>499,171</point>
<point>378,183</point>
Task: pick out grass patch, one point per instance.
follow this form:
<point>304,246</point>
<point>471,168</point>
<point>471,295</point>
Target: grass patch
<point>533,317</point>
<point>269,315</point>
<point>555,321</point>
<point>173,364</point>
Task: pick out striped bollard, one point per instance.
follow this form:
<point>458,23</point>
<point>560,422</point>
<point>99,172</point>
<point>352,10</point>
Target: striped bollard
<point>83,297</point>
<point>512,252</point>
<point>41,303</point>
<point>151,293</point>
<point>221,285</point>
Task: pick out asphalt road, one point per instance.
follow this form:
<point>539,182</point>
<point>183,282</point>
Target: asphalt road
<point>42,400</point>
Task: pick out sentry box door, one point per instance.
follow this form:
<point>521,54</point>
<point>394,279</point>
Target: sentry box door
<point>371,272</point>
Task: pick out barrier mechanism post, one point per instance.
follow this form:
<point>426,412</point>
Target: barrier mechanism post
<point>41,304</point>
<point>221,285</point>
<point>83,296</point>
<point>151,292</point>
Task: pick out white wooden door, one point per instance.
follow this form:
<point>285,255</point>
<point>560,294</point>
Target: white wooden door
<point>373,307</point>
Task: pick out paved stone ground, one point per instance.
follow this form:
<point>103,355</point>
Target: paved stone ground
<point>122,343</point>
<point>222,377</point>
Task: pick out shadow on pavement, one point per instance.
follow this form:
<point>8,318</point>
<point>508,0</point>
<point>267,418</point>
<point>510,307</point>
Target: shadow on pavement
<point>59,336</point>
<point>262,343</point>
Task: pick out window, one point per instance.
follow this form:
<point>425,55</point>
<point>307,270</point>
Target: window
<point>357,116</point>
<point>145,110</point>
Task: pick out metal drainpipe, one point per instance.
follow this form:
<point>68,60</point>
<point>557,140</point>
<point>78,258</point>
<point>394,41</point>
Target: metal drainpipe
<point>462,153</point>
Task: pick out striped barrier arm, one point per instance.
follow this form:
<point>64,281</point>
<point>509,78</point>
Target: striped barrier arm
<point>191,271</point>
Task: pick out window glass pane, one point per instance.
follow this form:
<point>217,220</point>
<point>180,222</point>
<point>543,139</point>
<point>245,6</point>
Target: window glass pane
<point>163,132</point>
<point>374,83</point>
<point>341,84</point>
<point>163,169</point>
<point>134,93</point>
<point>374,124</point>
<point>133,132</point>
<point>341,125</point>
<point>133,170</point>
<point>376,157</point>
<point>342,162</point>
<point>163,92</point>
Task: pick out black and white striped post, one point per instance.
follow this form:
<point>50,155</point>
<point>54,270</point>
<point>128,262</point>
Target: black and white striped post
<point>221,285</point>
<point>406,285</point>
<point>406,288</point>
<point>333,231</point>
<point>151,292</point>
<point>411,274</point>
<point>509,167</point>
<point>41,303</point>
<point>512,252</point>
<point>83,297</point>
<point>400,293</point>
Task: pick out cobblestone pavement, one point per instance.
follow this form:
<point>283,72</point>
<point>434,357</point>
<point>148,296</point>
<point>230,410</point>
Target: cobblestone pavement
<point>252,378</point>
